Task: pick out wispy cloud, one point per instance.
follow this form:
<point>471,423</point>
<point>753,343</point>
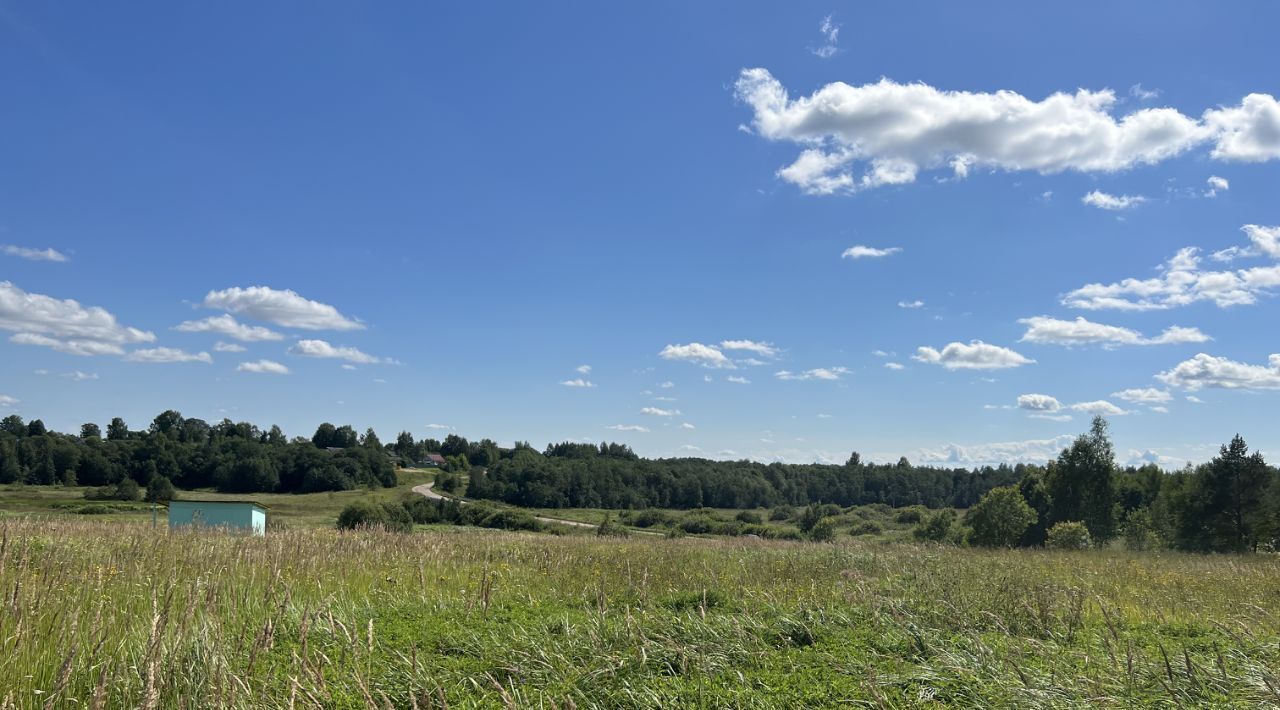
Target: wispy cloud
<point>34,254</point>
<point>865,252</point>
<point>263,367</point>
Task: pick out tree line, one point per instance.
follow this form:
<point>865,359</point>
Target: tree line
<point>1082,499</point>
<point>233,457</point>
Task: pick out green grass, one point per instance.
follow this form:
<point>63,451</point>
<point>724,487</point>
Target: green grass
<point>462,617</point>
<point>307,510</point>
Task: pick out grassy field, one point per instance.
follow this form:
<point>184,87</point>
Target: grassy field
<point>100,613</point>
<point>308,510</point>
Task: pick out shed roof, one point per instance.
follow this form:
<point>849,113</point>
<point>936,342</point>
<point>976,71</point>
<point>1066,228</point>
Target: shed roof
<point>224,502</point>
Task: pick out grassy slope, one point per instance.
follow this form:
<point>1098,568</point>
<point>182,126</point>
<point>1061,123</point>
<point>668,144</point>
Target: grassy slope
<point>485,619</point>
<point>311,509</point>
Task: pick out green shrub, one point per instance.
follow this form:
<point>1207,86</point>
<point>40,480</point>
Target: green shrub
<point>782,512</point>
<point>365,514</point>
<point>160,490</point>
<point>749,517</point>
<point>866,528</point>
<point>908,516</point>
<point>1000,518</point>
<point>1068,536</point>
<point>824,530</point>
<point>937,527</point>
<point>1140,531</point>
<point>609,528</point>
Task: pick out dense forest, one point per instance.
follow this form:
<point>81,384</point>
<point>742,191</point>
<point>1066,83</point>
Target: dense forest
<point>191,453</point>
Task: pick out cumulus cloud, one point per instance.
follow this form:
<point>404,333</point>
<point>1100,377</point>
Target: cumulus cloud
<point>583,369</point>
<point>222,347</point>
<point>656,412</point>
<point>1046,330</point>
<point>737,380</point>
<point>323,349</point>
<point>760,348</point>
<point>975,355</point>
<point>911,304</point>
<point>1216,185</point>
<point>579,383</point>
<point>818,373</point>
<point>1099,407</point>
<point>993,454</point>
<point>860,137</point>
<point>698,354</point>
<point>7,401</point>
<point>34,254</point>
<point>1104,201</point>
<point>865,252</point>
<point>263,367</point>
<point>1038,403</point>
<point>227,325</point>
<point>1210,371</point>
<point>1181,281</point>
<point>167,355</point>
<point>64,324</point>
<point>1144,395</point>
<point>283,307</point>
<point>1249,132</point>
<point>628,427</point>
<point>86,348</point>
<point>894,366</point>
<point>687,425</point>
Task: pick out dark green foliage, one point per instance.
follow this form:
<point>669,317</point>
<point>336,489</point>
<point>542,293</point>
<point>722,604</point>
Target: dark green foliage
<point>936,527</point>
<point>1223,505</point>
<point>1080,483</point>
<point>823,531</point>
<point>1069,535</point>
<point>1139,531</point>
<point>126,489</point>
<point>608,527</point>
<point>865,528</point>
<point>159,490</point>
<point>366,514</point>
<point>1000,518</point>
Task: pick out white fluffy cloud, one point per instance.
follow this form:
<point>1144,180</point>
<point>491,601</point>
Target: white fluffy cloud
<point>222,347</point>
<point>911,304</point>
<point>263,367</point>
<point>698,354</point>
<point>1039,403</point>
<point>656,412</point>
<point>87,348</point>
<point>282,307</point>
<point>1028,451</point>
<point>830,32</point>
<point>1104,201</point>
<point>1216,185</point>
<point>894,366</point>
<point>628,427</point>
<point>859,137</point>
<point>323,349</point>
<point>1249,132</point>
<point>865,252</point>
<point>167,355</point>
<point>818,373</point>
<point>7,401</point>
<point>1144,395</point>
<point>1099,407</point>
<point>1046,330</point>
<point>578,383</point>
<point>760,348</point>
<point>227,325</point>
<point>33,254</point>
<point>737,380</point>
<point>64,324</point>
<point>1209,371</point>
<point>583,369</point>
<point>1182,281</point>
<point>975,355</point>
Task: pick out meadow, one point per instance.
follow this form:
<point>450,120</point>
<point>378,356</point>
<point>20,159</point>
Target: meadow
<point>101,612</point>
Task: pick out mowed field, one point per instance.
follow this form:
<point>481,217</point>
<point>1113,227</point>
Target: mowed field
<point>98,612</point>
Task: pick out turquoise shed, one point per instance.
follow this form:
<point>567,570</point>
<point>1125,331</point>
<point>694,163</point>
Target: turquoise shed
<point>237,515</point>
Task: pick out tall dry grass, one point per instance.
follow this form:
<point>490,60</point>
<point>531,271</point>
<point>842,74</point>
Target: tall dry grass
<point>104,615</point>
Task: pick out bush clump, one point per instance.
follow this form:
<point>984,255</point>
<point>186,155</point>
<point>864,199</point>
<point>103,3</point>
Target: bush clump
<point>1068,536</point>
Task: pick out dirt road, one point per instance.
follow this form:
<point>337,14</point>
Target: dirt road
<point>426,490</point>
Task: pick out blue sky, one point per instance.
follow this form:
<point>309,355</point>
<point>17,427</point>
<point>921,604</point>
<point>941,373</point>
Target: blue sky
<point>782,232</point>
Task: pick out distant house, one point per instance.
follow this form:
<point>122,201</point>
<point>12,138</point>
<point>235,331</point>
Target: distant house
<point>434,461</point>
<point>234,515</point>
